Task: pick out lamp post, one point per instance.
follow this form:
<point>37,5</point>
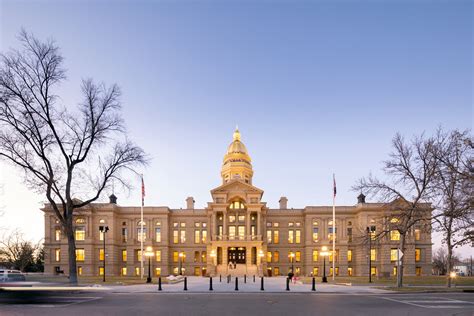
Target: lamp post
<point>103,230</point>
<point>452,275</point>
<point>324,253</point>
<point>149,254</point>
<point>181,258</point>
<point>370,254</point>
<point>213,256</point>
<point>292,259</point>
<point>261,255</point>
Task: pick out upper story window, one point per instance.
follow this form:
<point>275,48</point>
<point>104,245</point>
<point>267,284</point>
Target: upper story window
<point>80,220</point>
<point>80,233</point>
<point>57,234</point>
<point>237,205</point>
<point>290,224</point>
<point>141,235</point>
<point>102,221</point>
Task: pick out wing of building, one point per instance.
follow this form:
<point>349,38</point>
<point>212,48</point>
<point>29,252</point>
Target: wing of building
<point>237,234</point>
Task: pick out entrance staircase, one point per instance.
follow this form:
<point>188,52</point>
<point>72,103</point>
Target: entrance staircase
<point>240,270</point>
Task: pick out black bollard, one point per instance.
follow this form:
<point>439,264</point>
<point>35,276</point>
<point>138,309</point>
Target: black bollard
<point>287,284</point>
<point>210,284</point>
<point>245,278</point>
<point>185,283</point>
<point>228,279</point>
<point>220,277</point>
<point>313,288</point>
<point>159,284</point>
<point>236,283</point>
<point>261,284</point>
<point>254,278</point>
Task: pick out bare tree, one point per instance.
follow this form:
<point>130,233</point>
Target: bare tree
<point>409,175</point>
<point>454,192</point>
<point>17,252</point>
<point>69,154</point>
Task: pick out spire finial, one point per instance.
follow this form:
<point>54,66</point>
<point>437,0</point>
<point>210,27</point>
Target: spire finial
<point>236,133</point>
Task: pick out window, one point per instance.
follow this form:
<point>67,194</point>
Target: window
<point>394,235</point>
<point>57,234</point>
<point>80,254</point>
<point>158,224</point>
<point>330,234</point>
<point>197,236</point>
<point>418,271</point>
<point>315,234</point>
<point>196,256</point>
<point>79,270</point>
<point>80,233</point>
<point>175,256</point>
<point>101,254</point>
<point>276,271</point>
<point>417,234</point>
<point>158,255</point>
<point>269,224</point>
<point>269,236</point>
<point>139,255</point>
<point>197,224</point>
<point>141,235</point>
<point>393,254</point>
<point>175,224</point>
<point>298,236</point>
<point>158,272</point>
<point>291,236</point>
<point>394,271</point>
<point>231,232</point>
<point>80,221</point>
<point>175,237</point>
<point>269,256</point>
<point>298,256</point>
<point>124,255</point>
<point>315,255</point>
<point>417,254</point>
<point>182,224</point>
<point>349,255</point>
<point>123,272</point>
<point>373,234</point>
<point>237,205</point>
<point>137,271</point>
<point>290,224</point>
<point>276,237</point>
<point>241,232</point>
<point>204,236</point>
<point>124,234</point>
<point>394,220</point>
<point>231,218</point>
<point>158,234</point>
<point>57,254</point>
<point>349,271</point>
<point>373,254</point>
<point>315,271</point>
<point>330,271</point>
<point>101,270</point>
<point>204,256</point>
<point>204,225</point>
<point>276,224</point>
<point>276,256</point>
<point>101,235</point>
<point>182,236</point>
<point>298,224</point>
<point>349,234</point>
<point>241,218</point>
<point>373,270</point>
<point>101,221</point>
<point>331,255</point>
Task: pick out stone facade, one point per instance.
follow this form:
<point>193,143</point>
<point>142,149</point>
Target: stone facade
<point>236,227</point>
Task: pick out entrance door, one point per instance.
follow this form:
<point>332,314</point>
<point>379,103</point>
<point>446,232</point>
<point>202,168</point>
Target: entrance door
<point>236,255</point>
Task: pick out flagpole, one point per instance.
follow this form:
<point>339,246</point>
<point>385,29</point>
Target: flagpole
<point>334,230</point>
<point>141,232</point>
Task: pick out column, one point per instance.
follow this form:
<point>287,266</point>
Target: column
<point>213,225</point>
<point>225,222</point>
<point>259,230</point>
<point>247,226</point>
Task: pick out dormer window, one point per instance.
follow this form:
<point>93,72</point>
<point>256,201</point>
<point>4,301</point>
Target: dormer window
<point>236,205</point>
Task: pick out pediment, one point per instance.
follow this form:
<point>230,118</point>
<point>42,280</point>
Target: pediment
<point>236,186</point>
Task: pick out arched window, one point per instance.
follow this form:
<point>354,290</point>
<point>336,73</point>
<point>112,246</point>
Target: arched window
<point>237,205</point>
<point>101,221</point>
<point>80,221</point>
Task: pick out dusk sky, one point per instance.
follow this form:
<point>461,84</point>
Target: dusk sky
<point>316,88</point>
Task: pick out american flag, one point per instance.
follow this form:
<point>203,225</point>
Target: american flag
<point>143,192</point>
<point>334,181</point>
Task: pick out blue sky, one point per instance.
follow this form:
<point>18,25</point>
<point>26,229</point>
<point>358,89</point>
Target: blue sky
<point>316,87</point>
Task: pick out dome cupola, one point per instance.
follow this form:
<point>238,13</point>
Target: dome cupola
<point>237,163</point>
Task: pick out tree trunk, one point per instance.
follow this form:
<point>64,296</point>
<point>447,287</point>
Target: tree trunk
<point>71,253</point>
<point>449,261</point>
<point>400,267</point>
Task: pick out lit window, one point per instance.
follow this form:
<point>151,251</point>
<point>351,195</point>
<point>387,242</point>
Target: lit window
<point>394,220</point>
<point>158,234</point>
<point>276,224</point>
<point>373,271</point>
<point>183,224</point>
<point>197,224</point>
<point>269,224</point>
<point>373,233</point>
<point>349,271</point>
<point>80,221</point>
<point>291,236</point>
<point>394,235</point>
<point>175,237</point>
<point>139,255</point>
<point>276,256</point>
<point>175,256</point>
<point>124,271</point>
<point>269,236</point>
<point>204,225</point>
<point>276,271</point>
<point>315,234</point>
<point>204,236</point>
<point>315,255</point>
<point>137,271</point>
<point>158,224</point>
<point>298,224</point>
<point>417,254</point>
<point>57,234</point>
<point>241,218</point>
<point>349,255</point>
<point>298,256</point>
<point>373,254</point>
<point>204,256</point>
<point>349,234</point>
<point>80,254</point>
<point>101,221</point>
<point>196,256</point>
<point>158,255</point>
<point>197,236</point>
<point>315,271</point>
<point>158,271</point>
<point>101,254</point>
<point>124,255</point>
<point>175,224</point>
<point>269,256</point>
<point>393,254</point>
<point>418,271</point>
<point>394,271</point>
<point>231,218</point>
<point>298,236</point>
<point>141,235</point>
<point>315,223</point>
<point>276,237</point>
<point>101,270</point>
<point>417,234</point>
<point>331,255</point>
<point>57,255</point>
<point>79,270</point>
<point>80,233</point>
<point>290,224</point>
<point>124,234</point>
<point>101,235</point>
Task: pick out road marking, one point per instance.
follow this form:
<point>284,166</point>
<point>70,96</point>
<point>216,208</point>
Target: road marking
<point>448,303</point>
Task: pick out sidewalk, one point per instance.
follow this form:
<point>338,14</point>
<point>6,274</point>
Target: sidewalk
<point>271,285</point>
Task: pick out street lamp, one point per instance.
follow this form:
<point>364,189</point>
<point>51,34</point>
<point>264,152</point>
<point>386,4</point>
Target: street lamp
<point>292,257</point>
<point>370,254</point>
<point>261,255</point>
<point>324,253</point>
<point>181,258</point>
<point>149,254</point>
<point>103,230</point>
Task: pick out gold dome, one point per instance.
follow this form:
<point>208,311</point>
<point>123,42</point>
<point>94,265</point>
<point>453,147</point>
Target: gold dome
<point>237,163</point>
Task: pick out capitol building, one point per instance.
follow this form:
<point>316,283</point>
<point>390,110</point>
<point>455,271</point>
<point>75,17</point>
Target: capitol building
<point>236,233</point>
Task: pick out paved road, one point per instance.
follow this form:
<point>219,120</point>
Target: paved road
<point>108,303</point>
